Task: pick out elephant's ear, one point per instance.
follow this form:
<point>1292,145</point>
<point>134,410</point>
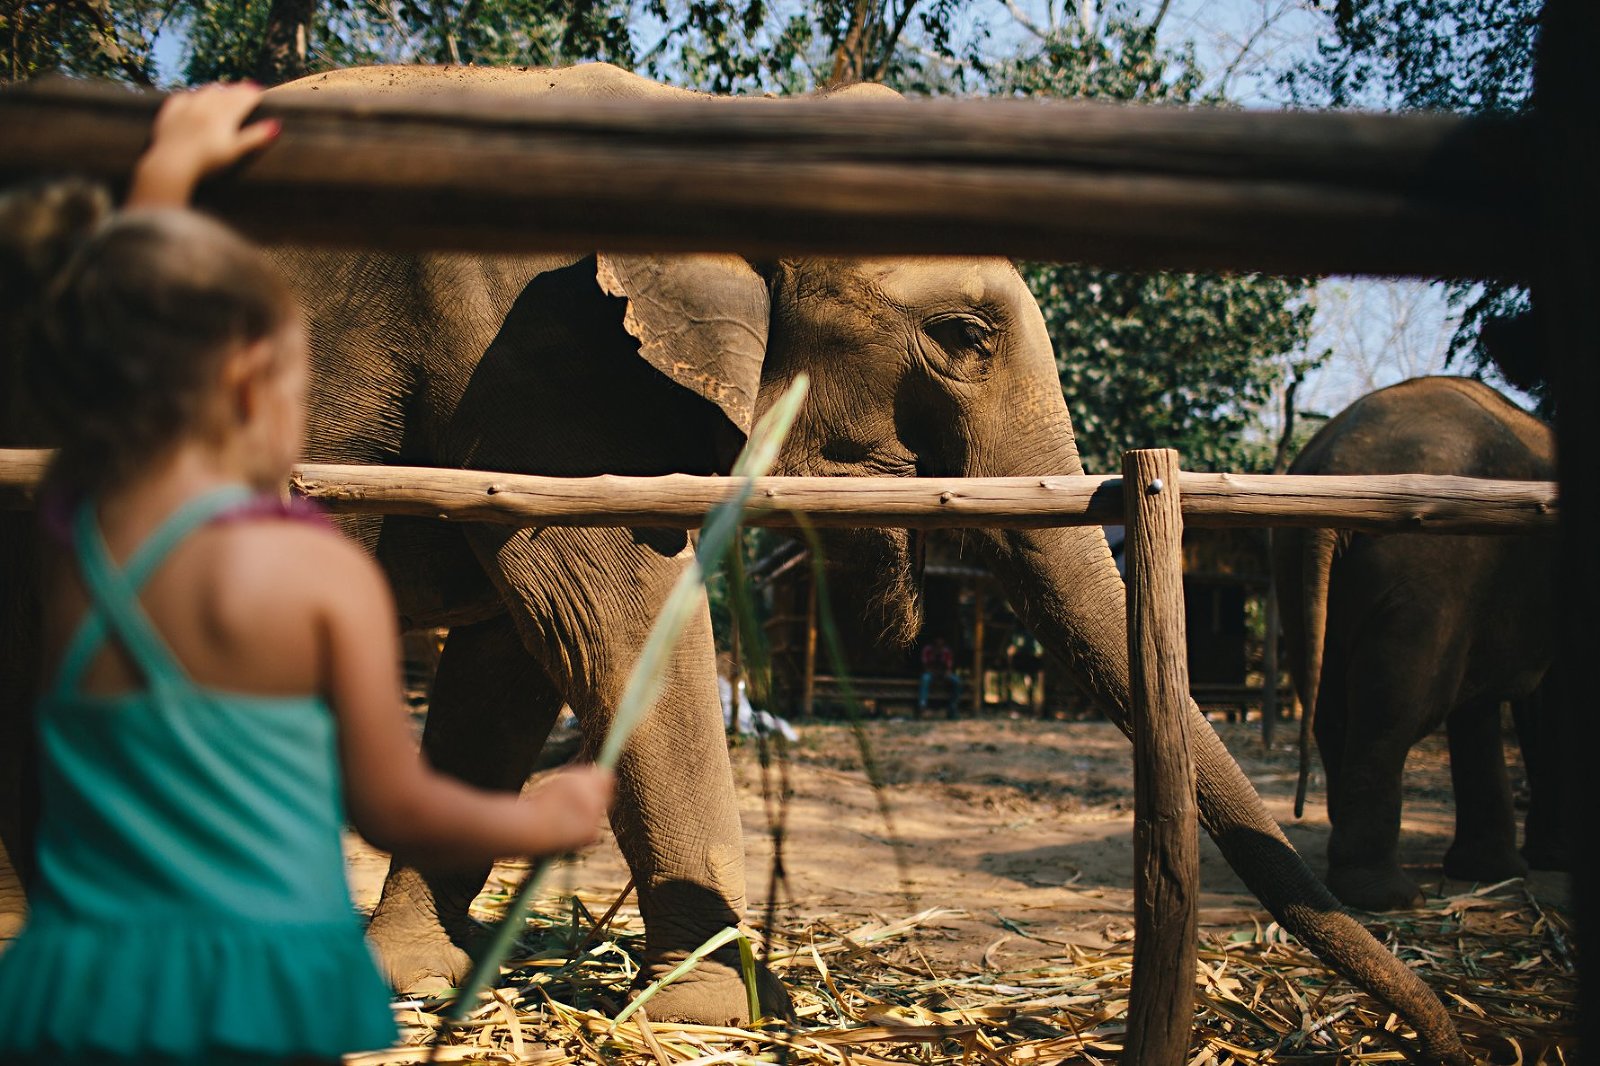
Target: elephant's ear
<point>699,319</point>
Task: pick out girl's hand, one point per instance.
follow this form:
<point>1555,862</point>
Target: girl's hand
<point>568,807</point>
<point>197,133</point>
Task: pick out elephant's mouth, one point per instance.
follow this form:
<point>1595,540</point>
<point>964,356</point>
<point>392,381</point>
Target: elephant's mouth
<point>875,577</point>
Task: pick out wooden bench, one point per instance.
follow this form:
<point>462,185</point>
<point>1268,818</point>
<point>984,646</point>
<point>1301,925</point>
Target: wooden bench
<point>876,694</point>
<point>1237,700</point>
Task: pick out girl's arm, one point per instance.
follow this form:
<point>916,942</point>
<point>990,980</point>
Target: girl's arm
<point>395,799</point>
<point>195,134</point>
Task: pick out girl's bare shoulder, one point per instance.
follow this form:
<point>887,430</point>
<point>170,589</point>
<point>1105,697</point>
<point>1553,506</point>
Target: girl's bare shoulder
<point>273,560</point>
<point>277,595</point>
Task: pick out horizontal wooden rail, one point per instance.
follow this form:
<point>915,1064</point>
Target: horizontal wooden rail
<point>1389,503</point>
<point>1125,186</point>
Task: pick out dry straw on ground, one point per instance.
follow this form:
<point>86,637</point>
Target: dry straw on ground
<point>865,995</point>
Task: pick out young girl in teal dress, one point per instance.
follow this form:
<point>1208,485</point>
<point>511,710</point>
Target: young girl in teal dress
<point>222,684</point>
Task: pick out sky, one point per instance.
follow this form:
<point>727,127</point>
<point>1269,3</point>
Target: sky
<point>1381,331</point>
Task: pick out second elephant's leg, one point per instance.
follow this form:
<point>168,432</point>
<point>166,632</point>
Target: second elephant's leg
<point>588,597</point>
<point>1540,729</point>
<point>1485,847</point>
<point>1364,795</point>
<point>490,710</point>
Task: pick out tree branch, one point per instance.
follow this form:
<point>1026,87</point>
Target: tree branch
<point>886,54</point>
<point>1262,27</point>
<point>1022,20</point>
<point>847,59</point>
<point>1281,459</point>
<point>1161,13</point>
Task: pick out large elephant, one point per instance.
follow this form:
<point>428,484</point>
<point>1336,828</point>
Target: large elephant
<point>1391,636</point>
<point>649,365</point>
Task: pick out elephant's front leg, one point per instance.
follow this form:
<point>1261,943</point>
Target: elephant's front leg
<point>1485,847</point>
<point>490,710</point>
<point>588,598</point>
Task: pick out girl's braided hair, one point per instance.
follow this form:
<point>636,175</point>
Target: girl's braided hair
<point>118,324</point>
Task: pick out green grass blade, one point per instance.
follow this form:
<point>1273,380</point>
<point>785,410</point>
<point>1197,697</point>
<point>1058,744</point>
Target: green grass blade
<point>716,943</point>
<point>747,967</point>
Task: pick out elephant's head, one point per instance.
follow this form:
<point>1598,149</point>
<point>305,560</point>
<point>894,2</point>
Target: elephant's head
<point>940,367</point>
<point>918,367</point>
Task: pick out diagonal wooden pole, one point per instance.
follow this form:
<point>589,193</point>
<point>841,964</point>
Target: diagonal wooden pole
<point>1166,876</point>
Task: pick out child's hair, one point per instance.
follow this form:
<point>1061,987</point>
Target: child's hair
<point>121,321</point>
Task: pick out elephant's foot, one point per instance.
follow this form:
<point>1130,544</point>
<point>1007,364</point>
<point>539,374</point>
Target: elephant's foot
<point>713,993</point>
<point>1374,888</point>
<point>417,954</point>
<point>1483,861</point>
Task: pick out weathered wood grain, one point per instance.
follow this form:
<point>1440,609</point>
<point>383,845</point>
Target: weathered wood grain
<point>1125,186</point>
<point>1166,845</point>
<point>1392,503</point>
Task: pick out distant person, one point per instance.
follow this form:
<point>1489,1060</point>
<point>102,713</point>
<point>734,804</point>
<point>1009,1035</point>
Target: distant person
<point>1025,661</point>
<point>938,663</point>
<point>224,669</point>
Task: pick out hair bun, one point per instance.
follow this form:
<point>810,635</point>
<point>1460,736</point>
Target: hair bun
<point>41,226</point>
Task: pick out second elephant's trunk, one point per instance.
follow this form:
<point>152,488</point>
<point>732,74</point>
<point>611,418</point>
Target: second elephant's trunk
<point>1067,590</point>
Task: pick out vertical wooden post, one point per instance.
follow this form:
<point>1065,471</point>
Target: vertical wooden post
<point>735,661</point>
<point>1563,296</point>
<point>977,644</point>
<point>808,697</point>
<point>1166,876</point>
<point>1269,666</point>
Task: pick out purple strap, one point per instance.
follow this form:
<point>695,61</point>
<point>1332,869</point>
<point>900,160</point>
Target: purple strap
<point>57,508</point>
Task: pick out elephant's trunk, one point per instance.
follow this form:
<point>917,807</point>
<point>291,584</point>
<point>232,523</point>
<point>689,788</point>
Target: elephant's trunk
<point>1067,589</point>
<point>1317,549</point>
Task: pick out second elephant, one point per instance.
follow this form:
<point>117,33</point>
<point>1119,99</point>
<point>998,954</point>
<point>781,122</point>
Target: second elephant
<point>1391,636</point>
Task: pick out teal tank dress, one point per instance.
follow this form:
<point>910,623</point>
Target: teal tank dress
<point>190,904</point>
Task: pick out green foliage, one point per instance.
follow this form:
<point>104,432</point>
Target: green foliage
<point>489,32</point>
<point>1471,56</point>
<point>224,40</point>
<point>720,46</point>
<point>1123,63</point>
<point>225,37</point>
<point>1187,361</point>
<point>91,38</point>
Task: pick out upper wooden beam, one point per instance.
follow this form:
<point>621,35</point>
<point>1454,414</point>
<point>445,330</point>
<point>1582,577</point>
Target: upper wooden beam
<point>1132,187</point>
<point>1387,503</point>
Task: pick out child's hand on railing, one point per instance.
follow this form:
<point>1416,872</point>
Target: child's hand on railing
<point>197,133</point>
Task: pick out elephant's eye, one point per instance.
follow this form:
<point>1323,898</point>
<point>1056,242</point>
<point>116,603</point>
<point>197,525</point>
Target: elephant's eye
<point>962,334</point>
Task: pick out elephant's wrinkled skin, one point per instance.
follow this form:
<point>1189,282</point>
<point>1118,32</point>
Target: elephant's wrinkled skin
<point>917,367</point>
<point>1392,635</point>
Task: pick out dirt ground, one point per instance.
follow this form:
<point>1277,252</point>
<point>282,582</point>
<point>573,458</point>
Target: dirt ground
<point>1023,826</point>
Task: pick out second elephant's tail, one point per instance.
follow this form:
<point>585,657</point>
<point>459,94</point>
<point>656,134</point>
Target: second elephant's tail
<point>1316,564</point>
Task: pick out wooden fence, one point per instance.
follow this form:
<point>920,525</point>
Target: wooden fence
<point>1140,187</point>
<point>1415,502</point>
<point>1123,187</point>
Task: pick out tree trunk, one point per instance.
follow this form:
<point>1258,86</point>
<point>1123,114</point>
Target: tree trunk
<point>283,46</point>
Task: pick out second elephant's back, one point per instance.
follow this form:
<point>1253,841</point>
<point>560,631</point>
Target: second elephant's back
<point>1433,425</point>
